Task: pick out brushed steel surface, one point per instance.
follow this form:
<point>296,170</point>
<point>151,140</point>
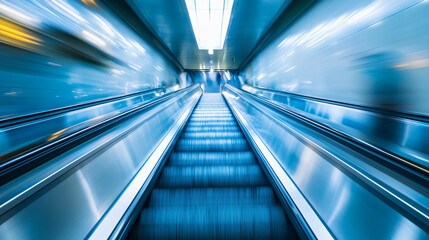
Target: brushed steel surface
<point>354,199</point>
<point>67,197</point>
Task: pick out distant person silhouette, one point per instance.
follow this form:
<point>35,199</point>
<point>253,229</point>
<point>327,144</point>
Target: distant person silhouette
<point>386,93</point>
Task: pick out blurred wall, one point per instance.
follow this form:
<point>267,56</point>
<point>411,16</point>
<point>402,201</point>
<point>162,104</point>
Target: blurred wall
<point>65,52</point>
<point>366,52</point>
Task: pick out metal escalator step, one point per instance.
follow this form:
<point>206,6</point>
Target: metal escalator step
<point>213,111</point>
<point>182,197</point>
<point>212,128</point>
<point>231,222</point>
<point>216,144</point>
<point>207,134</point>
<point>211,158</point>
<point>211,176</point>
<point>211,106</point>
<point>212,123</point>
<point>211,119</point>
<point>212,114</point>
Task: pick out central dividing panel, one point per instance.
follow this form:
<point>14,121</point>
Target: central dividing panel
<point>212,186</point>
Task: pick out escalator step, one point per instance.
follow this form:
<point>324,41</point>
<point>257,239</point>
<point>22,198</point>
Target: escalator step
<point>212,119</point>
<point>211,158</point>
<point>213,222</point>
<point>211,176</point>
<point>212,123</point>
<point>212,129</point>
<point>181,197</point>
<point>200,134</point>
<point>216,144</point>
<point>212,114</point>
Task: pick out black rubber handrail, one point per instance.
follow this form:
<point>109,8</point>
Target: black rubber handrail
<point>404,166</point>
<point>18,165</point>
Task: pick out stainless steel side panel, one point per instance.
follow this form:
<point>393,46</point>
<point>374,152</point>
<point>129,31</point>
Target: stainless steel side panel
<point>354,199</point>
<point>67,197</point>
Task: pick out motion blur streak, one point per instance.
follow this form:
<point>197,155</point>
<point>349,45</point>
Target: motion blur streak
<point>15,35</point>
<point>90,3</point>
<point>57,53</point>
<point>370,53</point>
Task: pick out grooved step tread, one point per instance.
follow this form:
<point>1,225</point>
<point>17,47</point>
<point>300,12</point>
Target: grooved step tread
<point>212,176</point>
<point>208,134</point>
<point>211,158</point>
<point>216,144</point>
<point>212,128</point>
<point>214,222</point>
<point>211,196</point>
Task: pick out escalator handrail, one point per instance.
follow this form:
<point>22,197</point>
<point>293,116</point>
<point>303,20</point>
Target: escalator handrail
<point>404,115</point>
<point>16,166</point>
<point>16,120</point>
<point>419,171</point>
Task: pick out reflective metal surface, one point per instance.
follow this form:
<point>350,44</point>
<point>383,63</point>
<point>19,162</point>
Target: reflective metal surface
<point>354,198</point>
<point>22,134</point>
<point>67,197</point>
<point>65,52</point>
<point>170,21</point>
<point>368,52</point>
<point>400,134</point>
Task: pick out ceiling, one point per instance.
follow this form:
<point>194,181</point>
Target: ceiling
<point>169,21</point>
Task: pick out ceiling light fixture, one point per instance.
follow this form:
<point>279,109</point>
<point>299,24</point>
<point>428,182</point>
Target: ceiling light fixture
<point>210,20</point>
<point>211,51</point>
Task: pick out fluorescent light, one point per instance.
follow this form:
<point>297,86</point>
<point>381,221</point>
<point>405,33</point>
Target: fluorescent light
<point>210,20</point>
<point>211,51</point>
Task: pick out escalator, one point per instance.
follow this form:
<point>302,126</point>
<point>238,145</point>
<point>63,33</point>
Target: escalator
<point>212,185</point>
<point>140,176</point>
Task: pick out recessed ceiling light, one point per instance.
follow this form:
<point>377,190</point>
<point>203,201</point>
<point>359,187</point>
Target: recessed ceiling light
<point>210,20</point>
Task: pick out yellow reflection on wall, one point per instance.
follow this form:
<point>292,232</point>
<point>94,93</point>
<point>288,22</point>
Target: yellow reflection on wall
<point>15,35</point>
<point>89,3</point>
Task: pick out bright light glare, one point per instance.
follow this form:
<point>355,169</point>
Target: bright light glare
<point>17,15</point>
<point>211,51</point>
<point>93,38</point>
<point>210,20</point>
